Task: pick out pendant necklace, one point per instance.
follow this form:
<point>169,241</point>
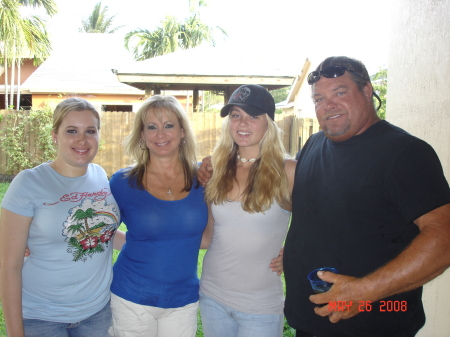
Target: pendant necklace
<point>169,192</point>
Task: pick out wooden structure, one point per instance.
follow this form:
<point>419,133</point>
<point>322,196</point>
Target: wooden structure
<point>215,69</point>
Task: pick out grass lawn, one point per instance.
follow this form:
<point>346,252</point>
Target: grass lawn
<point>288,332</point>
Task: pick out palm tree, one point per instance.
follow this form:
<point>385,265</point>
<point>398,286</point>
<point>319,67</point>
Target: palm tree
<point>84,215</point>
<point>149,44</point>
<point>170,36</point>
<point>76,228</point>
<point>98,22</point>
<point>22,36</point>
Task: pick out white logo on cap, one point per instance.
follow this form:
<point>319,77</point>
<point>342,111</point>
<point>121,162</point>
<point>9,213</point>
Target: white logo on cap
<point>241,95</point>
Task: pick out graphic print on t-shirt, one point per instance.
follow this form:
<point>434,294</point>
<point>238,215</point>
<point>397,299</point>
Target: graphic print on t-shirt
<point>89,228</point>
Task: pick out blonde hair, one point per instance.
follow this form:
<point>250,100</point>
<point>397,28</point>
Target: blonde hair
<point>267,180</point>
<point>72,104</point>
<point>159,105</point>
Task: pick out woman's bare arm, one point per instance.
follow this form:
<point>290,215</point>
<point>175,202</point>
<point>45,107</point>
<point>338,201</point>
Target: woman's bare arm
<point>14,230</point>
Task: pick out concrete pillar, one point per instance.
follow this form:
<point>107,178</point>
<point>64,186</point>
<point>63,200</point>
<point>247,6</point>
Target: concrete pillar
<point>418,101</point>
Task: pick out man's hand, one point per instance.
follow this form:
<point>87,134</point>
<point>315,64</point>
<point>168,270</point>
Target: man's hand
<point>204,173</point>
<point>277,263</point>
<point>346,290</point>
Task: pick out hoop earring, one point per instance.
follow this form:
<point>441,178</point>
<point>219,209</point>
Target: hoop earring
<point>140,145</point>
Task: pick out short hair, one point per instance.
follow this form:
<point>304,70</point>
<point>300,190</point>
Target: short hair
<point>72,104</point>
<point>160,104</point>
<point>353,65</point>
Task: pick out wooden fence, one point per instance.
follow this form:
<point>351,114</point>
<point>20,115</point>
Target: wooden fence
<point>115,126</point>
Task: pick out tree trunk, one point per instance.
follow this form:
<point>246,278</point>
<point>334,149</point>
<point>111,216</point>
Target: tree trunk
<point>6,80</point>
<point>88,230</point>
<point>18,84</point>
<point>13,72</point>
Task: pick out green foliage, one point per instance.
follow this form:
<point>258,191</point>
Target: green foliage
<point>379,83</point>
<point>3,188</point>
<point>171,35</point>
<point>2,322</point>
<point>212,101</point>
<point>23,151</point>
<point>98,21</point>
<point>280,95</point>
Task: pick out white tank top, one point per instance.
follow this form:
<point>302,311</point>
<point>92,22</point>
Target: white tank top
<point>236,269</point>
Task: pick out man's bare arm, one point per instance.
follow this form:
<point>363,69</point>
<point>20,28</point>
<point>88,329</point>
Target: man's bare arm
<point>204,173</point>
<point>426,257</point>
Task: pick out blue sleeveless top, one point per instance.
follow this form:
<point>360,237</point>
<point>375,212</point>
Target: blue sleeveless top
<point>158,264</point>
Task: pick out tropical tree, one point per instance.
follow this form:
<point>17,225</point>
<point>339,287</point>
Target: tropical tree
<point>171,35</point>
<point>76,228</point>
<point>81,215</point>
<point>98,22</point>
<point>22,35</point>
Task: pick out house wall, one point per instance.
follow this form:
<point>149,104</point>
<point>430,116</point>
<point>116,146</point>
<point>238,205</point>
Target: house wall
<point>40,100</point>
<point>302,109</point>
<point>25,71</point>
<point>303,106</point>
<point>418,101</point>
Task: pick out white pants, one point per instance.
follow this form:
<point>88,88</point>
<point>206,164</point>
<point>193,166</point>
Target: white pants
<point>136,320</point>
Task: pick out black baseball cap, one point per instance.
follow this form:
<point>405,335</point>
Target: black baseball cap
<point>253,99</point>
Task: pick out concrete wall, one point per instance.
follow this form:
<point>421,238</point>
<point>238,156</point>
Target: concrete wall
<point>419,102</point>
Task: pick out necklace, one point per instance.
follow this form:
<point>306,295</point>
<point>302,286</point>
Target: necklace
<point>169,192</point>
<point>251,160</point>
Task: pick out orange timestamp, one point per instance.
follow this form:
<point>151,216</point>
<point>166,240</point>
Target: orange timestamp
<point>384,306</point>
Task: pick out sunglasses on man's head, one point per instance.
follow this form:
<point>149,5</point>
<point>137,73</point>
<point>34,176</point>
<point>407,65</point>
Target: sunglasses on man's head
<point>328,72</point>
<point>335,71</point>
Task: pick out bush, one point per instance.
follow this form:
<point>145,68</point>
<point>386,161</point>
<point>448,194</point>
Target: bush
<point>27,139</point>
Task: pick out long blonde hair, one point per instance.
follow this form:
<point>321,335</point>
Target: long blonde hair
<point>267,180</point>
<point>160,104</point>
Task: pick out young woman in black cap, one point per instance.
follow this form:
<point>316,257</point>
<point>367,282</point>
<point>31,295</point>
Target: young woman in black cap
<point>250,194</point>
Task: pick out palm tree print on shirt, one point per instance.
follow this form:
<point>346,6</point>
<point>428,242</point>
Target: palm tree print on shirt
<point>89,228</point>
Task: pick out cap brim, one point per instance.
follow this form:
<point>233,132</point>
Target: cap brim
<point>250,109</point>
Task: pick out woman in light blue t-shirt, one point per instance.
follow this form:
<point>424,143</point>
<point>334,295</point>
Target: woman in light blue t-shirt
<point>65,213</point>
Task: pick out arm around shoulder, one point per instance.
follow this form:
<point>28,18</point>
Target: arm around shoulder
<point>289,168</point>
<point>207,233</point>
<point>204,173</point>
<point>119,239</point>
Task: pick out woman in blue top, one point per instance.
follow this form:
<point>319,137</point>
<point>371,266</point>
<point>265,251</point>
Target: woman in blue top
<point>155,289</point>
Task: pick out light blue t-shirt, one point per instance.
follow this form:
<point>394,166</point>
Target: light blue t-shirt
<point>67,276</point>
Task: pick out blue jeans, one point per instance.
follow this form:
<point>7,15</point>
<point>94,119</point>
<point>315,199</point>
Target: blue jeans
<point>219,320</point>
<point>95,326</point>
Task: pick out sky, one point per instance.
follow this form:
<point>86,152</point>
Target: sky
<point>288,30</point>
